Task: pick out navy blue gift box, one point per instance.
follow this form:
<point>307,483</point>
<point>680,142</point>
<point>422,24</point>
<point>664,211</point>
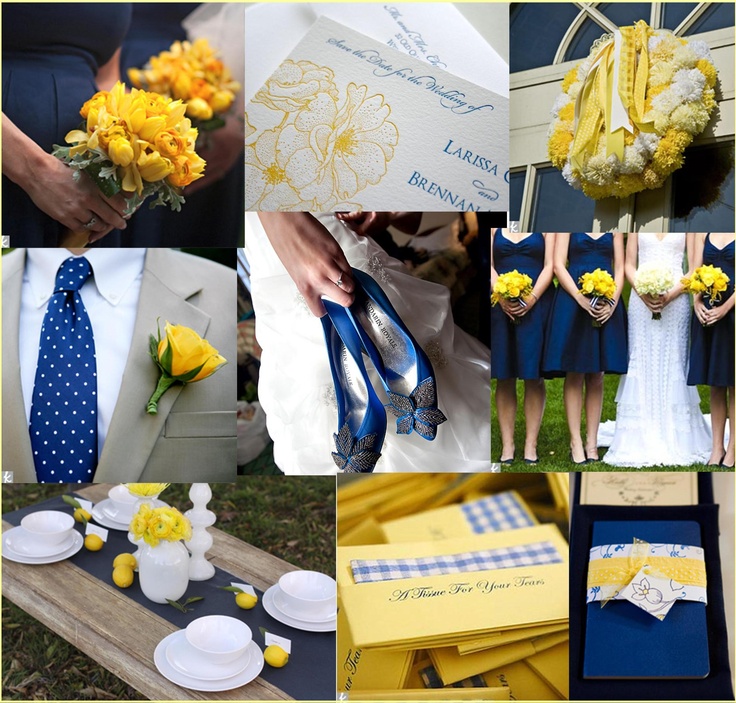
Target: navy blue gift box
<point>717,685</point>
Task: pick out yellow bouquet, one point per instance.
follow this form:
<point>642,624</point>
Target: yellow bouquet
<point>710,281</point>
<point>155,524</point>
<point>597,285</point>
<point>146,490</point>
<point>512,286</point>
<point>182,357</point>
<point>136,142</point>
<point>193,73</point>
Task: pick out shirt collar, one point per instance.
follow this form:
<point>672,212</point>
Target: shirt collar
<point>115,270</point>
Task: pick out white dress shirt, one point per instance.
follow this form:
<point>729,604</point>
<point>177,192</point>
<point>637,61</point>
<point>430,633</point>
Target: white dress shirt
<point>111,299</point>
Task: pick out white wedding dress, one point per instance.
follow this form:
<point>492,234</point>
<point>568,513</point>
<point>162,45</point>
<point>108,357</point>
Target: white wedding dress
<point>658,418</point>
<point>295,387</point>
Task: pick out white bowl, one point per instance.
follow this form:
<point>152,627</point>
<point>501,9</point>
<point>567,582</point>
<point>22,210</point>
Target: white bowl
<point>308,593</point>
<point>48,527</point>
<point>218,639</point>
<point>122,501</point>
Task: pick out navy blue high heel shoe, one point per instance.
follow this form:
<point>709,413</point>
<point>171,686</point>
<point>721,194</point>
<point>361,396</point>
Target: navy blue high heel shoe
<point>361,419</point>
<point>404,368</point>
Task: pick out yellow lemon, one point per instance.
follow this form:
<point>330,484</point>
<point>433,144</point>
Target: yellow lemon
<point>80,515</point>
<point>125,559</point>
<point>122,576</point>
<point>246,601</point>
<point>275,656</point>
<point>93,542</point>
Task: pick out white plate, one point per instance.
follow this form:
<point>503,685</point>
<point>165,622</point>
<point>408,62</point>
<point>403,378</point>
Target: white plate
<point>283,608</point>
<point>186,660</point>
<point>112,513</point>
<point>102,518</point>
<point>276,614</point>
<point>20,542</point>
<point>76,545</point>
<point>254,667</point>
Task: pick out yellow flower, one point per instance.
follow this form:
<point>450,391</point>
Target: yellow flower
<point>169,143</point>
<point>146,489</point>
<point>222,100</point>
<point>295,84</point>
<point>185,356</point>
<point>153,167</point>
<point>708,70</point>
<point>570,78</point>
<point>186,170</point>
<point>96,102</point>
<point>558,147</point>
<point>120,151</point>
<point>199,109</point>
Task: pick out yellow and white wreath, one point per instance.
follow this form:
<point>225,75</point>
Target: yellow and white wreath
<point>629,110</point>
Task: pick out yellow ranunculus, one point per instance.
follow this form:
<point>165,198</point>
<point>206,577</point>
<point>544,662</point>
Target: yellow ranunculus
<point>169,143</point>
<point>182,85</point>
<point>120,151</point>
<point>199,109</point>
<point>222,100</point>
<point>96,101</point>
<point>188,352</point>
<point>151,127</point>
<point>153,167</point>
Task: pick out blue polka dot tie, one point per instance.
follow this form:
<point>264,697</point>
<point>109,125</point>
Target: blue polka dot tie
<point>64,407</point>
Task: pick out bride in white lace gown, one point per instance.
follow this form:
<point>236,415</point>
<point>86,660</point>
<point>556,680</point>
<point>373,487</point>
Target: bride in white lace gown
<point>658,418</point>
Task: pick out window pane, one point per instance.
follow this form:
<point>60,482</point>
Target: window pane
<point>536,32</point>
<point>675,12</point>
<point>517,181</point>
<point>557,207</point>
<point>625,13</point>
<point>580,45</point>
<point>717,16</point>
<point>703,191</point>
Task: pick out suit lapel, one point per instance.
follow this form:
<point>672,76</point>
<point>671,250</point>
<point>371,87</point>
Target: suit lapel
<point>133,433</point>
<point>17,453</point>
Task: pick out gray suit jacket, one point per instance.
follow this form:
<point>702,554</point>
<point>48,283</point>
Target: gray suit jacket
<point>193,436</point>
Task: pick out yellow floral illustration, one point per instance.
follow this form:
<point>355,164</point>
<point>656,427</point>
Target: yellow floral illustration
<point>325,150</point>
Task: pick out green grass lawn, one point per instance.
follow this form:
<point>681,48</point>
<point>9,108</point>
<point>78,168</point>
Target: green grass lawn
<point>554,439</point>
<point>292,518</point>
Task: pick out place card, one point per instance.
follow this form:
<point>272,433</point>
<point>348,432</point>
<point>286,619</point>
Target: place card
<point>347,123</point>
<point>269,638</point>
<point>245,588</point>
<point>85,504</point>
<point>92,529</point>
<point>640,488</point>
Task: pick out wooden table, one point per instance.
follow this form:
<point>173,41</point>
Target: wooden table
<point>117,632</point>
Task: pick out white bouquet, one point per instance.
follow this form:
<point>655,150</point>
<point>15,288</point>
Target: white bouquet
<point>653,280</point>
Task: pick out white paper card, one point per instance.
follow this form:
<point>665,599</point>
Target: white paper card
<point>346,123</point>
<point>245,588</point>
<point>640,488</point>
<point>92,529</point>
<point>437,33</point>
<point>653,594</point>
<point>282,642</point>
<point>85,504</point>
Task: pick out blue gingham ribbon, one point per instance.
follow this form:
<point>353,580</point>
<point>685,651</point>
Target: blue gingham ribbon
<point>373,570</point>
<point>495,513</point>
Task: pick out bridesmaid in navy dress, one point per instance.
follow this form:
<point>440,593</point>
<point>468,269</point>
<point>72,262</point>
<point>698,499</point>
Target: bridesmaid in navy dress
<point>517,335</point>
<point>712,343</point>
<point>52,55</point>
<point>574,347</point>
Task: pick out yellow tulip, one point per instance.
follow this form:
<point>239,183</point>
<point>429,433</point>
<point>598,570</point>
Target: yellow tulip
<point>199,109</point>
<point>120,151</point>
<point>151,127</point>
<point>153,167</point>
<point>188,351</point>
<point>182,85</point>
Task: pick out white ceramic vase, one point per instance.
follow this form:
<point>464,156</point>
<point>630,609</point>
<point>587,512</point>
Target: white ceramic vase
<point>163,571</point>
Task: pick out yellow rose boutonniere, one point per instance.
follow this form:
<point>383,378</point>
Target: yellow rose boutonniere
<point>183,357</point>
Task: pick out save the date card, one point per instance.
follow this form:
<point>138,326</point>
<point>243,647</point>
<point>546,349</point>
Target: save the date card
<point>348,123</point>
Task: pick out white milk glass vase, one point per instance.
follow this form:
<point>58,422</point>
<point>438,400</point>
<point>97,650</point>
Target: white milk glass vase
<point>163,571</point>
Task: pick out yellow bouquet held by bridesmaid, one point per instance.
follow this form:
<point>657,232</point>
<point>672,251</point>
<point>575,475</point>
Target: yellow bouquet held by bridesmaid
<point>138,143</point>
<point>514,287</point>
<point>709,281</point>
<point>193,73</point>
<point>597,285</point>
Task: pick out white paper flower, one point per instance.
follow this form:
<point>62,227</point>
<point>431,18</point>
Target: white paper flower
<point>688,84</point>
<point>683,58</point>
<point>646,143</point>
<point>574,89</point>
<point>634,160</point>
<point>562,100</point>
<point>655,41</point>
<point>660,74</point>
<point>666,101</point>
<point>700,49</point>
<point>568,175</point>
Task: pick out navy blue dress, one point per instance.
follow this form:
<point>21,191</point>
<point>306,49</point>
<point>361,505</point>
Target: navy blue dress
<point>572,343</point>
<point>51,55</point>
<point>712,347</point>
<point>212,216</point>
<point>516,350</point>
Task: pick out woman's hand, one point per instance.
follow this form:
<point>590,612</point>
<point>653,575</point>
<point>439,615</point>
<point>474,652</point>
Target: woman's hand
<point>716,314</point>
<point>311,256</point>
<point>223,148</point>
<point>701,311</point>
<point>530,301</point>
<point>655,303</point>
<point>604,311</point>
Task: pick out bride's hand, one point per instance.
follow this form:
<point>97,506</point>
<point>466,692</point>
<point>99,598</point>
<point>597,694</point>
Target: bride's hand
<point>654,302</point>
<point>311,257</point>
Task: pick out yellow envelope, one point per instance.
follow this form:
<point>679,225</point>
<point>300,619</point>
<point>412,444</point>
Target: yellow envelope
<point>554,667</point>
<point>433,694</point>
<point>367,531</point>
<point>500,638</point>
<point>523,682</point>
<point>451,608</point>
<point>367,669</point>
<point>453,521</point>
<point>453,667</point>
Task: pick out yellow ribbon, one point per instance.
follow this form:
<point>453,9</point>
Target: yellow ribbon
<point>612,575</point>
<point>613,95</point>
